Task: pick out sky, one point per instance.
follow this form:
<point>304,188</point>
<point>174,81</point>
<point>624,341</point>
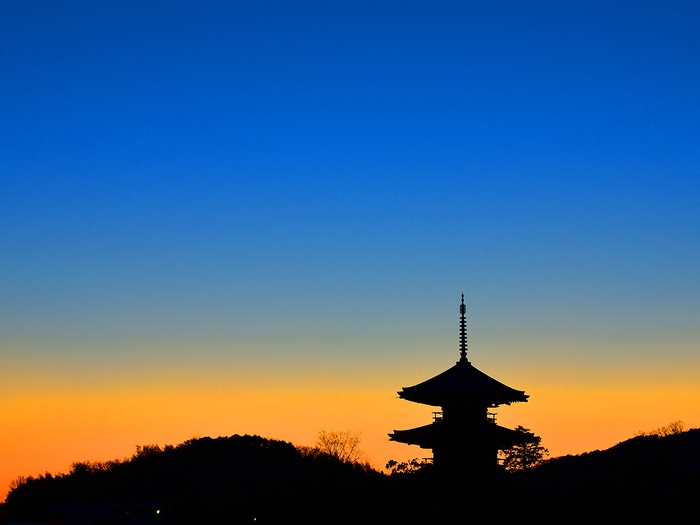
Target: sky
<point>222,218</point>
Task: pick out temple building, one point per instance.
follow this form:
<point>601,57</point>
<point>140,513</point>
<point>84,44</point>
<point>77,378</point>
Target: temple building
<point>464,435</point>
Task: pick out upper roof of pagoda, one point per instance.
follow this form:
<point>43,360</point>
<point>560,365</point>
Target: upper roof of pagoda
<point>462,383</point>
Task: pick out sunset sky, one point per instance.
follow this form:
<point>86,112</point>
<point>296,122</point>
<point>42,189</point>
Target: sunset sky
<point>258,217</point>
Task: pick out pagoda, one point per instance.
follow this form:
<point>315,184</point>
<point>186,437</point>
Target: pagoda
<point>464,436</point>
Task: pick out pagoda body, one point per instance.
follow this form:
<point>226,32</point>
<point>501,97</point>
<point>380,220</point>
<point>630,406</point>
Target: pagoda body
<point>464,435</point>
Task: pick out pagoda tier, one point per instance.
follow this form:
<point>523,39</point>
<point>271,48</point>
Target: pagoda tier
<point>462,382</point>
<point>441,433</point>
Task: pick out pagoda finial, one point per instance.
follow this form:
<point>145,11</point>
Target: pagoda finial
<point>463,331</point>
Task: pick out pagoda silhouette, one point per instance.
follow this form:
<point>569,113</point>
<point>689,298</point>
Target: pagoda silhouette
<point>464,436</point>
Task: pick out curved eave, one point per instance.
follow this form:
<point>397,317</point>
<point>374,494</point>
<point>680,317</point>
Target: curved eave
<point>462,383</point>
<point>428,436</point>
<point>441,400</point>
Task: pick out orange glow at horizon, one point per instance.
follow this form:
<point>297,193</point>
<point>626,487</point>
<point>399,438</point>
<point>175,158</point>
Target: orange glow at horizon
<point>53,428</point>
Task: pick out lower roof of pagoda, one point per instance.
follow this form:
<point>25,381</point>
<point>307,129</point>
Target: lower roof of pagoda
<point>462,383</point>
<point>440,433</point>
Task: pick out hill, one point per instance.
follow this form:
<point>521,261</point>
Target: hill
<point>249,479</point>
<point>646,477</point>
<point>233,479</point>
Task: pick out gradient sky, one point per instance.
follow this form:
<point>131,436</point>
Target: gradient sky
<point>258,217</point>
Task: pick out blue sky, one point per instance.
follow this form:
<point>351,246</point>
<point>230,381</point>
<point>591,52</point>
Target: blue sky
<point>173,156</point>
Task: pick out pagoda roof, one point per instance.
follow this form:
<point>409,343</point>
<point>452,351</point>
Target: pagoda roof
<point>462,383</point>
<point>428,436</point>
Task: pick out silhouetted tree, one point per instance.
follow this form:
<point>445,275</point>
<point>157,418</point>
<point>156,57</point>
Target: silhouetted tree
<point>342,445</point>
<point>18,482</point>
<point>676,427</point>
<point>525,455</point>
<point>407,467</point>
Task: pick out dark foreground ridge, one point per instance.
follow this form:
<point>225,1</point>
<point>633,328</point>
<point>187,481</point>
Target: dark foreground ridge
<point>249,479</point>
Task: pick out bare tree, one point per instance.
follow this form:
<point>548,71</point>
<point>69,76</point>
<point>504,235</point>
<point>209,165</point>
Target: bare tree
<point>18,482</point>
<point>343,445</point>
<point>676,427</point>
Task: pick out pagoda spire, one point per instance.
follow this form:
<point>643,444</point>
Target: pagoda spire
<point>463,331</point>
